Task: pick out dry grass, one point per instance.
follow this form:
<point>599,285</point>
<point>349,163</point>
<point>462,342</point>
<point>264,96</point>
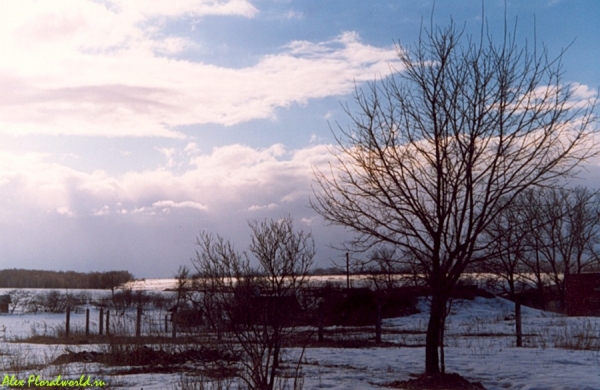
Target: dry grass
<point>579,336</point>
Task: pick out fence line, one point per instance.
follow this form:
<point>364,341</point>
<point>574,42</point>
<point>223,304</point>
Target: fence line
<point>137,323</point>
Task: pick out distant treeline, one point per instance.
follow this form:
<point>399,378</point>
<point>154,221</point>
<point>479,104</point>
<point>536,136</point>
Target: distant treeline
<point>27,278</point>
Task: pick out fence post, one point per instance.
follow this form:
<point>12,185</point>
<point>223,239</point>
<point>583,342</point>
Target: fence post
<point>166,323</point>
<point>321,313</point>
<point>378,323</point>
<point>138,323</point>
<point>68,321</point>
<point>107,322</point>
<point>87,322</point>
<point>101,322</point>
<point>174,324</point>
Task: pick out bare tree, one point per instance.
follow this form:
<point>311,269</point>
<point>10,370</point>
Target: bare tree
<point>182,284</point>
<point>507,237</point>
<point>562,233</point>
<point>257,306</point>
<point>584,229</point>
<point>383,270</point>
<point>20,298</point>
<point>464,124</point>
<point>220,267</point>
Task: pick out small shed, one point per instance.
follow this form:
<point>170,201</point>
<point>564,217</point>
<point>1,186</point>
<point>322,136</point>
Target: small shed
<point>4,302</point>
<point>583,294</point>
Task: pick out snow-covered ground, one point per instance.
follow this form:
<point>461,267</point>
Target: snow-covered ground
<point>480,345</point>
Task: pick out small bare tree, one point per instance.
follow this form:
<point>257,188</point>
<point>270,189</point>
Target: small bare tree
<point>257,306</point>
<point>382,269</point>
<point>182,285</point>
<point>508,248</point>
<point>463,125</point>
<point>20,298</point>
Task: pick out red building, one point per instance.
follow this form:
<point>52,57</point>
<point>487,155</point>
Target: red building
<point>583,294</point>
<point>4,302</point>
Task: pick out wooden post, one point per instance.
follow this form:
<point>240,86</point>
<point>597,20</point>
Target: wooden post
<point>378,323</point>
<point>518,322</point>
<point>101,322</point>
<point>87,322</point>
<point>321,322</point>
<point>68,322</point>
<point>138,322</point>
<point>174,324</point>
<point>108,322</point>
<point>166,323</point>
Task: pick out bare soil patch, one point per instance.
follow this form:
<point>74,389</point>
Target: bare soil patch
<point>448,381</point>
<point>146,356</point>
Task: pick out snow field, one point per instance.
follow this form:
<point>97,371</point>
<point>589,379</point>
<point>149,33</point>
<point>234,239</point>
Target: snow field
<point>480,345</point>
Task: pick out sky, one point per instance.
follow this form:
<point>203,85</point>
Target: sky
<point>129,127</point>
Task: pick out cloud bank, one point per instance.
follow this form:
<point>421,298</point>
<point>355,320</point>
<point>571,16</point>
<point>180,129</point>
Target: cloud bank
<point>146,221</point>
<point>233,177</point>
<point>110,68</point>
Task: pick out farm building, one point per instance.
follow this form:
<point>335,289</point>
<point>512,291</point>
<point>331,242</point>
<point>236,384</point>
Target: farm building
<point>583,294</point>
<point>4,302</point>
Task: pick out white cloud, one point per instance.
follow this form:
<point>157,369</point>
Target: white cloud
<point>178,205</point>
<point>106,69</point>
<point>293,15</point>
<point>308,221</point>
<point>270,206</point>
<point>191,148</point>
<point>582,96</point>
<point>174,8</point>
<point>65,211</point>
<point>168,153</point>
<point>233,178</point>
<point>104,210</point>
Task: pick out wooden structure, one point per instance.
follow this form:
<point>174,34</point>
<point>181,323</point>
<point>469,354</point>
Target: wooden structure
<point>583,294</point>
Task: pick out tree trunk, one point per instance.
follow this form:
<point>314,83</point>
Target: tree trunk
<point>432,339</point>
<point>442,355</point>
<point>275,363</point>
<point>562,289</point>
